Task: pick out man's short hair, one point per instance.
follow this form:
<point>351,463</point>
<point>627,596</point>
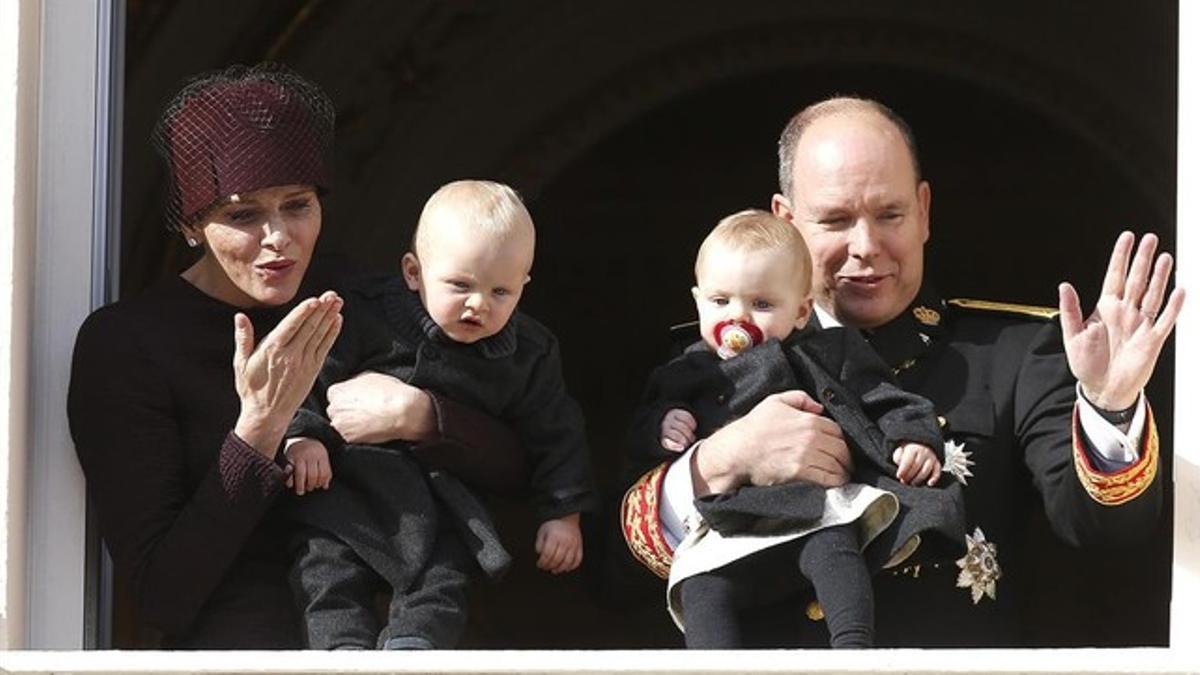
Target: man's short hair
<point>758,230</point>
<point>836,106</point>
<point>492,208</point>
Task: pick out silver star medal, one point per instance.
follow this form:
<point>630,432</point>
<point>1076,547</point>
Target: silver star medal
<point>980,567</point>
<point>958,461</point>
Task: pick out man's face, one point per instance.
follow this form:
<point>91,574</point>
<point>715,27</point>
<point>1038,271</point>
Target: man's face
<point>856,199</point>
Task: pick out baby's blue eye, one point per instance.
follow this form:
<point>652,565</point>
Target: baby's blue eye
<point>500,291</point>
<point>720,302</point>
<point>762,305</point>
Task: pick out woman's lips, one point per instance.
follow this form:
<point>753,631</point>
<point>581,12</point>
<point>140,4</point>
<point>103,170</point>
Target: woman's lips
<point>275,269</point>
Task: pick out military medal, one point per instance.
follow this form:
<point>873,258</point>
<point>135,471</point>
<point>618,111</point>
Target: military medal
<point>980,567</point>
<point>958,461</point>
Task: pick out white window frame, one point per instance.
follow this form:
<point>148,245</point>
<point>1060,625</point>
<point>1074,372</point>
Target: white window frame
<point>75,230</point>
<point>70,228</point>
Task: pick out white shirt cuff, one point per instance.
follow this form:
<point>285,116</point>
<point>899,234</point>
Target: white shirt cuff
<point>677,502</point>
<point>1114,449</point>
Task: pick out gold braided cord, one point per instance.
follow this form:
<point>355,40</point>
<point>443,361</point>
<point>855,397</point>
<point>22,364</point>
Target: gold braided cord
<point>1114,489</point>
<point>640,523</point>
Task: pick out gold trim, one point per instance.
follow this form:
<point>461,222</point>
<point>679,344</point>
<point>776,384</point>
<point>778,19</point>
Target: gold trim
<point>640,524</point>
<point>927,316</point>
<point>1038,311</point>
<point>813,611</point>
<point>1114,489</point>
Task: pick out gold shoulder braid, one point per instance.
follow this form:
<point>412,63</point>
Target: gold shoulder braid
<point>1036,311</point>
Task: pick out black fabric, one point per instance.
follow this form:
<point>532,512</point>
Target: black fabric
<point>856,388</point>
<point>336,593</point>
<point>434,608</point>
<point>385,506</point>
<point>1001,381</point>
<point>394,511</point>
<point>775,511</point>
<point>710,611</point>
<point>830,559</point>
<point>514,376</point>
<point>715,603</point>
<point>187,509</point>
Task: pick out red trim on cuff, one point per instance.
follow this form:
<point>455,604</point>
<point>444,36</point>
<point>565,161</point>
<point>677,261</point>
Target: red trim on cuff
<point>641,525</point>
<point>1117,487</point>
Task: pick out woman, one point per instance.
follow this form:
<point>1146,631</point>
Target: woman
<point>179,398</point>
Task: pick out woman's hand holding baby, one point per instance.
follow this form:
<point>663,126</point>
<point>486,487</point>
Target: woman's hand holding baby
<point>377,408</point>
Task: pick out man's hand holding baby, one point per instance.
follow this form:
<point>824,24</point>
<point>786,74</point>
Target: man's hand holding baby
<point>559,544</point>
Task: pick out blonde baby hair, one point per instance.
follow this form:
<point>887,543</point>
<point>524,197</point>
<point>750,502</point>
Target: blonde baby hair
<point>757,230</point>
<point>493,208</point>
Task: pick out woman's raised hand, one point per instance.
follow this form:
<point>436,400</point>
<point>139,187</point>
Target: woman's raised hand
<point>273,378</point>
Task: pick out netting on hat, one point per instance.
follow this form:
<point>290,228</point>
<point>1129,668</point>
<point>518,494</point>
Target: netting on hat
<point>239,130</point>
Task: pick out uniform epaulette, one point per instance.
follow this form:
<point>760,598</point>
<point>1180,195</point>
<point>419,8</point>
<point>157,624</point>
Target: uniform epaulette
<point>1011,308</point>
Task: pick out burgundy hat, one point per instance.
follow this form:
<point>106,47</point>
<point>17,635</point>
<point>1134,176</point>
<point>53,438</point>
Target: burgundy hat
<point>241,130</point>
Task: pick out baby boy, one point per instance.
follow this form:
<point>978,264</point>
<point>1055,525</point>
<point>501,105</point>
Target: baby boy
<point>451,325</point>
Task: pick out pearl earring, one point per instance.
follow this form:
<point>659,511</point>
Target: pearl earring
<point>192,243</point>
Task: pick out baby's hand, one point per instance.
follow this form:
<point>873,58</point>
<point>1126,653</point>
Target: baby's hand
<point>559,544</point>
<point>916,464</point>
<point>678,430</point>
<point>309,461</point>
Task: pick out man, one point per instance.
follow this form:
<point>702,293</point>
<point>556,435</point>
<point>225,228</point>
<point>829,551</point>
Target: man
<point>1024,400</point>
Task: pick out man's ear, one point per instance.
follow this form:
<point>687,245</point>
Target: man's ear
<point>782,208</point>
<point>410,267</point>
<point>924,200</point>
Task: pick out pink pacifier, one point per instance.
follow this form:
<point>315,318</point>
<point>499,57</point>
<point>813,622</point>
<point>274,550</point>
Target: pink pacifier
<point>735,337</point>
